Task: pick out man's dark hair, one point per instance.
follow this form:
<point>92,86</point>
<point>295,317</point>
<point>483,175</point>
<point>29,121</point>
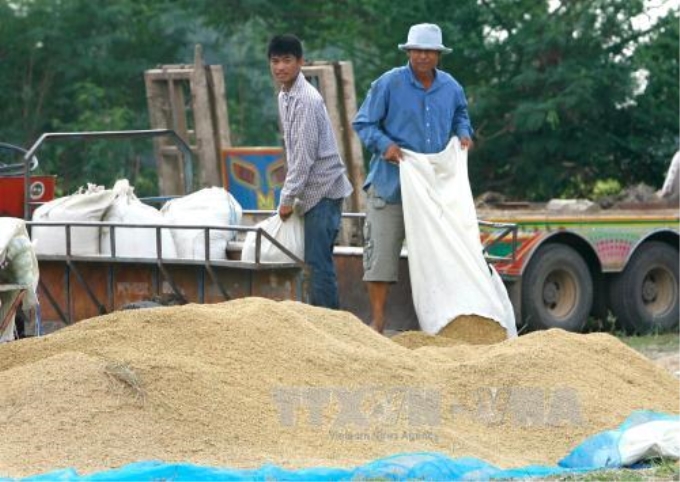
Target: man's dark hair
<point>286,44</point>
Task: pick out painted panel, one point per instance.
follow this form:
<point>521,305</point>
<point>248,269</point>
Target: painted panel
<point>254,175</point>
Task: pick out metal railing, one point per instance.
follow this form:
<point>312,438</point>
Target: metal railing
<point>162,262</point>
<point>18,168</point>
<point>492,239</point>
<point>30,154</point>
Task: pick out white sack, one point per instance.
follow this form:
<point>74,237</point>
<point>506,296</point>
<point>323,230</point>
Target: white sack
<point>17,256</point>
<point>449,275</point>
<point>9,229</point>
<point>18,266</point>
<point>84,206</point>
<point>290,234</point>
<point>212,206</point>
<point>657,438</point>
<point>134,242</point>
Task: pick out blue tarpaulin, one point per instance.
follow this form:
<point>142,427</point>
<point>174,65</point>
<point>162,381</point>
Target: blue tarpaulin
<point>600,451</point>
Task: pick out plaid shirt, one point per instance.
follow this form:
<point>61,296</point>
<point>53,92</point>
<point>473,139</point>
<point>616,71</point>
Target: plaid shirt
<point>315,168</point>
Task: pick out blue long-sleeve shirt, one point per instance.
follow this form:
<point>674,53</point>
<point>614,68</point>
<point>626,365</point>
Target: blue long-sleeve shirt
<point>398,110</point>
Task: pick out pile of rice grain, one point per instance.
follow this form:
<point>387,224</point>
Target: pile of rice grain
<point>463,330</point>
<point>254,381</point>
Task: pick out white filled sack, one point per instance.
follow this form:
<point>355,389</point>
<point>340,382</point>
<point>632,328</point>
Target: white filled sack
<point>134,242</point>
<point>87,205</point>
<point>17,256</point>
<point>18,266</point>
<point>213,206</point>
<point>290,233</point>
<point>9,229</point>
<point>449,275</point>
<point>652,439</point>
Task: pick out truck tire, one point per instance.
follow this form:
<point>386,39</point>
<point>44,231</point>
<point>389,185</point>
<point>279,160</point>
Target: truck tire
<point>557,289</point>
<point>644,297</point>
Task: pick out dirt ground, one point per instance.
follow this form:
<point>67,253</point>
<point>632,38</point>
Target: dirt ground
<point>664,350</point>
<point>670,362</point>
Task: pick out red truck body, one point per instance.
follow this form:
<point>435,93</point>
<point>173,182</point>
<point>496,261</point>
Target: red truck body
<point>41,189</point>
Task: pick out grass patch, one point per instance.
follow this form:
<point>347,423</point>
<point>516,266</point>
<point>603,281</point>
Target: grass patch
<point>666,342</point>
<point>660,470</point>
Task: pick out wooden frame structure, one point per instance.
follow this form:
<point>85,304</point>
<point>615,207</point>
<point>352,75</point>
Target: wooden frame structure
<point>189,99</point>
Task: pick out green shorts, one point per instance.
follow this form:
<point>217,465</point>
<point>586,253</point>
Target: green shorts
<point>384,235</point>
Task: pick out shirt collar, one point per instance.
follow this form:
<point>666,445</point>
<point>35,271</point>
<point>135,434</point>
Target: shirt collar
<point>414,80</point>
<point>297,85</point>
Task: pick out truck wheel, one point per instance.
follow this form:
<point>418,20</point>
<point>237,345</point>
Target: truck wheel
<point>557,290</point>
<point>644,297</point>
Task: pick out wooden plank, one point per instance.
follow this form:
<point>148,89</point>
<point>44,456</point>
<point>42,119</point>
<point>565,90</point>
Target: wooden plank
<point>335,82</point>
<point>326,78</point>
<point>159,111</point>
<point>178,109</point>
<point>323,78</point>
<point>209,173</point>
<point>166,92</point>
<point>328,86</point>
<point>10,302</point>
<point>354,155</point>
<point>218,97</point>
<point>161,74</point>
<point>330,89</point>
<point>174,114</point>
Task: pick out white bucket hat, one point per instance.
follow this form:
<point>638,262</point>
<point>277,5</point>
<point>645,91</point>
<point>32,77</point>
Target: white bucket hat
<point>425,36</point>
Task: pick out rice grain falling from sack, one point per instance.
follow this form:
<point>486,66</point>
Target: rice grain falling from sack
<point>474,330</point>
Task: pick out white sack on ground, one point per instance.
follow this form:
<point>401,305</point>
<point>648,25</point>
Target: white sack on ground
<point>449,275</point>
<point>290,234</point>
<point>134,242</point>
<point>85,206</point>
<point>213,206</point>
<point>652,439</point>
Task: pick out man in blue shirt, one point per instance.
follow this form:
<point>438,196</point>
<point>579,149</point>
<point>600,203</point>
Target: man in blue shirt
<point>416,107</point>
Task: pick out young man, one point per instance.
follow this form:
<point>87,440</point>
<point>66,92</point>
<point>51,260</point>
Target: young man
<point>316,182</point>
<point>417,107</point>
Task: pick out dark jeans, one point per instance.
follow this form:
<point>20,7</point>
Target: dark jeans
<point>322,224</point>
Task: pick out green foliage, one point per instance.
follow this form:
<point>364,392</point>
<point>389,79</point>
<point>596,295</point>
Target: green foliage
<point>253,114</point>
<point>78,65</point>
<point>666,342</point>
<point>651,126</point>
<point>606,187</point>
<point>608,324</point>
<point>554,88</point>
<point>545,132</point>
<point>660,470</point>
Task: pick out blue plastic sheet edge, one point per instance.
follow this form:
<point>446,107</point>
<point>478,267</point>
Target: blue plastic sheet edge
<point>595,453</point>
